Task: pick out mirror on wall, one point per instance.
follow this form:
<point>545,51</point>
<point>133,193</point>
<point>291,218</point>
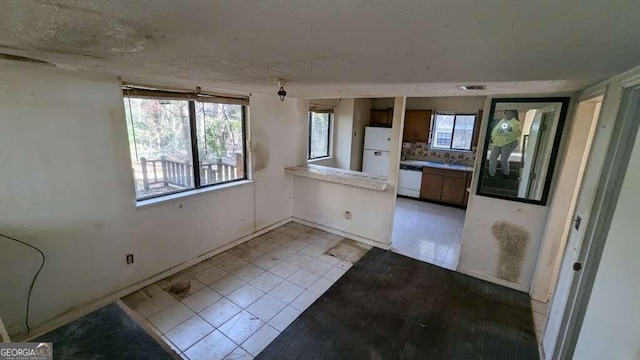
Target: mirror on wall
<point>520,148</point>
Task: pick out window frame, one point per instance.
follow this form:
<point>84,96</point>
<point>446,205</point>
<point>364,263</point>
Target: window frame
<point>329,133</point>
<point>192,99</point>
<point>453,131</point>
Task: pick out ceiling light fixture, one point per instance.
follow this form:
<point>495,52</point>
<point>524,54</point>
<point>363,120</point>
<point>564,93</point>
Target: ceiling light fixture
<point>473,87</point>
<point>281,92</point>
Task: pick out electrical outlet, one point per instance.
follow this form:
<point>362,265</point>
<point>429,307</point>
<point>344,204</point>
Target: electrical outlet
<point>347,215</point>
<point>129,259</point>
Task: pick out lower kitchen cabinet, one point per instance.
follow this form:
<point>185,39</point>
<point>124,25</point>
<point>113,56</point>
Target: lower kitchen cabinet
<point>431,188</point>
<point>453,190</point>
<point>446,186</point>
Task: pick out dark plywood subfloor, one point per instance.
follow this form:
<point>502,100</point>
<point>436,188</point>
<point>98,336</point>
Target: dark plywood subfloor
<point>388,306</point>
<point>105,334</point>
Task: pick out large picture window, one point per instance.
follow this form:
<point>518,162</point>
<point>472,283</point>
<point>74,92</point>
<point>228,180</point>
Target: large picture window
<point>319,134</point>
<point>453,131</point>
<point>168,135</point>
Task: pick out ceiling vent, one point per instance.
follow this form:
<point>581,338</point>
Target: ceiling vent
<point>473,87</point>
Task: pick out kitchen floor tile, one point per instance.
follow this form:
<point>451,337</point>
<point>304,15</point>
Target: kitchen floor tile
<point>320,286</point>
<point>299,259</point>
<point>260,339</point>
<point>331,260</point>
<point>239,354</point>
<point>312,251</point>
<point>212,346</point>
<point>181,290</point>
<point>227,285</point>
<point>318,267</point>
<point>245,295</point>
<point>266,307</point>
<point>240,327</point>
<point>303,278</point>
<point>201,299</point>
<point>170,317</point>
<point>210,275</point>
<point>284,318</point>
<point>266,281</point>
<point>284,269</point>
<point>305,300</point>
<point>334,273</point>
<point>247,272</point>
<point>267,261</point>
<point>286,291</point>
<point>220,312</point>
<point>189,332</point>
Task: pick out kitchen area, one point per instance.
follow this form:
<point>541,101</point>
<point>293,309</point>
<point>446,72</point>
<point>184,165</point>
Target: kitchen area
<point>439,143</point>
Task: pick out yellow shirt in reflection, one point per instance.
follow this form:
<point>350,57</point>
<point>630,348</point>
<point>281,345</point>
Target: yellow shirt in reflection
<point>506,132</point>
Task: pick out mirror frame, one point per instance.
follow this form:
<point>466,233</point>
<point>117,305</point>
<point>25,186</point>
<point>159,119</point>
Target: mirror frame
<point>554,152</point>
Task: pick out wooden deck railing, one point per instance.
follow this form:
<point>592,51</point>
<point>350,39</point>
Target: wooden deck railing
<point>174,173</point>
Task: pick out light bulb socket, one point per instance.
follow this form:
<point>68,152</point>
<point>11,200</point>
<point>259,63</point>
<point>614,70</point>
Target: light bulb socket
<point>282,93</point>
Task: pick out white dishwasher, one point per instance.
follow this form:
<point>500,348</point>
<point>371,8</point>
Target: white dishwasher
<point>409,180</point>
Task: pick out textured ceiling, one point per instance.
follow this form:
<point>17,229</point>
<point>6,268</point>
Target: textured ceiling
<point>331,48</point>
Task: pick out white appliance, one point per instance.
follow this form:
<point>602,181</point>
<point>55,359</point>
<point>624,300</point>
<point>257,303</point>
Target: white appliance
<point>409,181</point>
<point>375,158</point>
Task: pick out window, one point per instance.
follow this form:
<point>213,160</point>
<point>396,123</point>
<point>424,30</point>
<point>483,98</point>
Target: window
<point>170,132</point>
<point>453,131</point>
<point>319,134</point>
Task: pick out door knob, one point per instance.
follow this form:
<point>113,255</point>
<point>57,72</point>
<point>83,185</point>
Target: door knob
<point>577,266</point>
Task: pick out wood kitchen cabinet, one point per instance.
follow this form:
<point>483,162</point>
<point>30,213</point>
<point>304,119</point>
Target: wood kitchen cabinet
<point>381,118</point>
<point>431,188</point>
<point>416,125</point>
<point>445,186</point>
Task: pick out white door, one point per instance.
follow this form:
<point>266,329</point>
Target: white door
<point>375,162</point>
<point>561,293</point>
<point>376,138</point>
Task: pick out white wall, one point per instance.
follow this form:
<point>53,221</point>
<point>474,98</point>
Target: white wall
<point>481,252</point>
<point>66,186</point>
<point>343,130</point>
<point>611,326</point>
<point>324,203</point>
<point>562,205</point>
<point>361,113</point>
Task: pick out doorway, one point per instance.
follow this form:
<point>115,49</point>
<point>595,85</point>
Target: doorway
<point>590,224</point>
<point>428,231</point>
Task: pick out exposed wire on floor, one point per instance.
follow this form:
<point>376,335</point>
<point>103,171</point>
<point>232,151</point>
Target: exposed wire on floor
<point>26,321</point>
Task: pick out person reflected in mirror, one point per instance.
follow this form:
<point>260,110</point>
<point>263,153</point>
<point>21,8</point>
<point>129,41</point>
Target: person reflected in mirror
<point>504,137</point>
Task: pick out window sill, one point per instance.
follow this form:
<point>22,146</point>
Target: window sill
<point>189,193</point>
<point>311,161</point>
<point>452,150</point>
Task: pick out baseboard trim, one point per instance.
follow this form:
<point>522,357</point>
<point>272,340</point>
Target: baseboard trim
<point>86,308</point>
<point>492,279</point>
<point>348,235</point>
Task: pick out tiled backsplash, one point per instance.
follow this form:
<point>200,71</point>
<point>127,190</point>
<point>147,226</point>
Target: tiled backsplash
<point>421,151</point>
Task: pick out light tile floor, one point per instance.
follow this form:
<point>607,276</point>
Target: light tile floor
<point>428,232</point>
<point>231,306</point>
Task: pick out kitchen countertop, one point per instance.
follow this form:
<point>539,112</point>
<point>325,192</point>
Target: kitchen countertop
<point>340,176</point>
<point>437,165</point>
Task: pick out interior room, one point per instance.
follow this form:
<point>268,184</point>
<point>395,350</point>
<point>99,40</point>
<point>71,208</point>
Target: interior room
<point>330,180</point>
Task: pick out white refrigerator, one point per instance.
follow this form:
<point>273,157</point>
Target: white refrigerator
<point>377,143</point>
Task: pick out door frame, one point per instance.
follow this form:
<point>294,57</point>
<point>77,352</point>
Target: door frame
<point>613,173</point>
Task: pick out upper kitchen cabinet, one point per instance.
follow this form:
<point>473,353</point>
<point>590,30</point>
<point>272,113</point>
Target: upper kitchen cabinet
<point>381,118</point>
<point>416,125</point>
